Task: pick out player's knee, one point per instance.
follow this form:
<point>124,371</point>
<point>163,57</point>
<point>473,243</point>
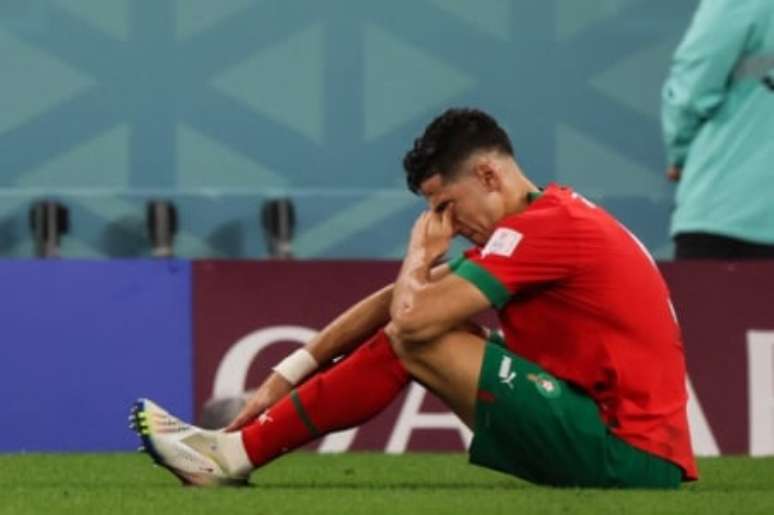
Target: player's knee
<point>409,350</point>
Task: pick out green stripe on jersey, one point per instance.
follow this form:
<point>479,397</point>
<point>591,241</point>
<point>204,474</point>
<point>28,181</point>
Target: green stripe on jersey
<point>489,285</point>
<point>456,262</point>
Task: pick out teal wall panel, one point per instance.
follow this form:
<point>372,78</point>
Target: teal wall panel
<point>220,105</point>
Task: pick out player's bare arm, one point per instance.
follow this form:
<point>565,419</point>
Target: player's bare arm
<point>339,337</point>
<point>421,308</point>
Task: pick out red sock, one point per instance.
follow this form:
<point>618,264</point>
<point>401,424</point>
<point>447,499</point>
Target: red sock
<point>344,396</point>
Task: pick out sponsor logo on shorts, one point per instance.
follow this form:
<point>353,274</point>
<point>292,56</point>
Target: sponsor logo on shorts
<point>546,385</point>
<point>506,374</point>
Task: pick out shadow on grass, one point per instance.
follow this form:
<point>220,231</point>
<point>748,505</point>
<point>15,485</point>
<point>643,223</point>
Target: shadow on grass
<point>355,485</point>
<point>500,486</point>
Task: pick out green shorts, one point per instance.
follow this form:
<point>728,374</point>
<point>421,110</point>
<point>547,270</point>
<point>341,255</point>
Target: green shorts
<point>542,429</point>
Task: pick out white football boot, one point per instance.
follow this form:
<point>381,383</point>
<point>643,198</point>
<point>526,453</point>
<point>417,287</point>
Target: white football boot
<point>198,457</point>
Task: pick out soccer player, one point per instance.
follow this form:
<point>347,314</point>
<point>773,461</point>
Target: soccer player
<point>587,388</point>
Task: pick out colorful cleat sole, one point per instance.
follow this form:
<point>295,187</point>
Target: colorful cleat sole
<point>138,422</point>
<point>167,430</point>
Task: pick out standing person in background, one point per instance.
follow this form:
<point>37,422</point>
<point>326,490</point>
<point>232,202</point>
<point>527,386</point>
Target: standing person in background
<point>718,122</point>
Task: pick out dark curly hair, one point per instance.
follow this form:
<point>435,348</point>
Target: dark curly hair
<point>448,141</point>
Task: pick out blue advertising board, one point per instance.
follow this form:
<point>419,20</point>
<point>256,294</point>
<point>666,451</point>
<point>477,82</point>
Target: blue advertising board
<point>80,340</point>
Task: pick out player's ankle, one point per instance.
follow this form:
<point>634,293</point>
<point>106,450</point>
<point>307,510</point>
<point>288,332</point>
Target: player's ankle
<point>233,451</point>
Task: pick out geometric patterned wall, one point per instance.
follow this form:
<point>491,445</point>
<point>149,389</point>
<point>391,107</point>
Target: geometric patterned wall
<point>221,104</point>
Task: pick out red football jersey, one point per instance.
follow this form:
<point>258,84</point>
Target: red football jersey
<point>580,296</point>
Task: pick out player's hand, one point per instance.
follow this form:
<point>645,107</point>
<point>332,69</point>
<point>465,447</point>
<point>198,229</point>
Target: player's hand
<point>673,173</point>
<point>432,234</point>
<point>273,389</point>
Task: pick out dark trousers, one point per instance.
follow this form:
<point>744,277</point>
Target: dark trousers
<point>698,245</point>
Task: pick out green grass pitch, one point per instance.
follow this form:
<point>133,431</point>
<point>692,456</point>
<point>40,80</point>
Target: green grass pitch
<point>305,483</point>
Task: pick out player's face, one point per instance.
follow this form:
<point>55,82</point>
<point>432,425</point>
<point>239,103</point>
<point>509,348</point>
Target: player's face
<point>471,207</point>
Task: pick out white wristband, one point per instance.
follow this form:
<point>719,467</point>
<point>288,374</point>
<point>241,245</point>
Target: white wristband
<point>296,366</point>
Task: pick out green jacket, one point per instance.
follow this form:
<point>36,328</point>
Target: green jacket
<point>718,121</point>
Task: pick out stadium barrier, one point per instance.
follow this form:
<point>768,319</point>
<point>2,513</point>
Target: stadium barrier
<point>82,339</point>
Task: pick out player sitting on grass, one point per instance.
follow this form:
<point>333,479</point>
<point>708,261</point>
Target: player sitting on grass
<point>587,388</point>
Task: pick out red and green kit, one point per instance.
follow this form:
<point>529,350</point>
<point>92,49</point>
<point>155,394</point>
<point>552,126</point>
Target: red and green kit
<point>579,297</point>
